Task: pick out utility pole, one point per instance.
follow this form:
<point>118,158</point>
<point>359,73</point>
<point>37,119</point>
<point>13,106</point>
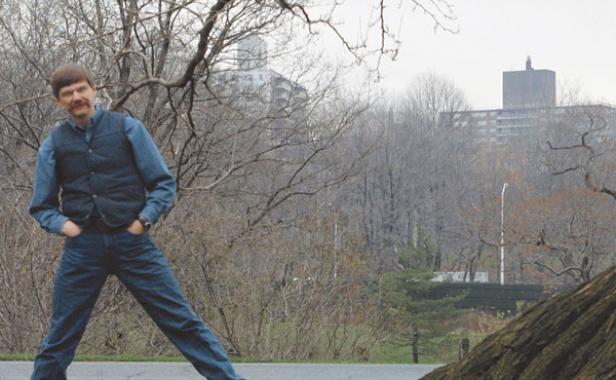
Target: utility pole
<point>502,242</point>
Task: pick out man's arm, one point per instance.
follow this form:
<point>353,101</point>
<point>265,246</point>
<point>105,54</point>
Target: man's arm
<point>45,207</point>
<point>157,178</point>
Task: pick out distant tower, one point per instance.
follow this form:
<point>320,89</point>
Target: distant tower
<point>529,88</point>
<point>252,54</point>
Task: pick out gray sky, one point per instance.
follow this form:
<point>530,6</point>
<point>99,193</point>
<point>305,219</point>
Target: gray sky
<point>574,38</point>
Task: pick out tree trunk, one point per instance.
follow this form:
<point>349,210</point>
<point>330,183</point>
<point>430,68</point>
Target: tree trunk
<point>569,336</point>
<point>415,344</point>
<point>465,345</point>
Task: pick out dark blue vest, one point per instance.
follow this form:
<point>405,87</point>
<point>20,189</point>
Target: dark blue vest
<point>99,178</point>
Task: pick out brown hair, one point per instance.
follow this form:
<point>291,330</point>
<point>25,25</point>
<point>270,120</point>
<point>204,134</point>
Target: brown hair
<point>68,74</point>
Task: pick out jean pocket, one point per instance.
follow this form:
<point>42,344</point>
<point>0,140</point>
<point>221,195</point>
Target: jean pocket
<point>73,237</point>
<point>132,234</point>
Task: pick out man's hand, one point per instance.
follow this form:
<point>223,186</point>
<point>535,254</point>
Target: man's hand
<point>136,228</point>
<point>70,229</point>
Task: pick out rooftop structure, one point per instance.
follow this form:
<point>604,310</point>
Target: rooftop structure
<point>264,94</point>
<point>529,88</point>
<point>529,111</point>
<point>254,84</point>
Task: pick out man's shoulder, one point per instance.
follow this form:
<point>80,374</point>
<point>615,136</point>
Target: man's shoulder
<point>47,143</point>
<point>117,114</point>
<point>113,115</point>
<point>125,118</point>
<point>131,123</point>
<point>112,119</point>
<point>124,121</point>
<point>59,127</point>
<point>63,123</point>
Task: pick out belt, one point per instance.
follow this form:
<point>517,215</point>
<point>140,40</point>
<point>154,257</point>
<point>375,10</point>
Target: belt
<point>96,224</point>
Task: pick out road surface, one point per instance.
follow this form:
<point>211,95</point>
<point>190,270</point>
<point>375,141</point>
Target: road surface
<point>252,371</point>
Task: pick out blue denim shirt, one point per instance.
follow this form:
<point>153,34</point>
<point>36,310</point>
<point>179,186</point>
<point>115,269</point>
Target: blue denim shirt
<point>45,205</point>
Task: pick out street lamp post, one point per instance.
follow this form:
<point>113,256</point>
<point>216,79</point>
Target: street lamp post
<point>502,242</point>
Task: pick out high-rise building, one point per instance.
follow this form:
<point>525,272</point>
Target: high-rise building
<point>529,88</point>
<point>252,54</point>
<point>529,110</point>
<point>254,82</point>
<point>257,90</point>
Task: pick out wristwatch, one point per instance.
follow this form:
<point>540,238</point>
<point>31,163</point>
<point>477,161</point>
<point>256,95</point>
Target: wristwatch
<point>145,223</point>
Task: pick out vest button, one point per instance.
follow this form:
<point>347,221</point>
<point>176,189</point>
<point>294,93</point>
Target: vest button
<point>89,150</point>
<point>94,196</point>
<point>92,173</point>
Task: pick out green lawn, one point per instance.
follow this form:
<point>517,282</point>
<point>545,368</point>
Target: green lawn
<point>113,358</point>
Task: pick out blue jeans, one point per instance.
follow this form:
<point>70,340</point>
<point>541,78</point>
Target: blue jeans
<point>86,262</point>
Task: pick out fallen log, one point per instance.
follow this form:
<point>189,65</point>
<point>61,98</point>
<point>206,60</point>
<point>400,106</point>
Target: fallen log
<point>568,336</point>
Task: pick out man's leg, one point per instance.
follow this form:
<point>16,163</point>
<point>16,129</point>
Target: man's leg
<point>143,269</point>
<point>79,279</point>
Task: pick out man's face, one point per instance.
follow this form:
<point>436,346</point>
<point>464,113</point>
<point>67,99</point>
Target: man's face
<point>77,100</point>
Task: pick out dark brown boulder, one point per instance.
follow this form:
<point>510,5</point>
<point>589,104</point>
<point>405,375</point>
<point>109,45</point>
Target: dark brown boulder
<point>569,336</point>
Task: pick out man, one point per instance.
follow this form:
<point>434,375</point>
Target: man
<point>101,183</point>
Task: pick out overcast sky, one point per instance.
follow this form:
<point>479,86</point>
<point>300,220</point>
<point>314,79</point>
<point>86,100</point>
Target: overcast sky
<point>574,38</point>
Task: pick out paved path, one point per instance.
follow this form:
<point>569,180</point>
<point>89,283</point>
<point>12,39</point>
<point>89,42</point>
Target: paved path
<point>260,371</point>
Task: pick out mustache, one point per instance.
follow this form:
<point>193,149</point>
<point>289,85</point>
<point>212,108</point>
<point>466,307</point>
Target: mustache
<point>80,104</point>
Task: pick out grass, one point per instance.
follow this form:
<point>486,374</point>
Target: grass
<point>436,350</point>
<point>391,355</point>
<point>115,358</point>
<point>441,350</point>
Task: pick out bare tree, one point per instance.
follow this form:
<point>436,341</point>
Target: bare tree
<point>416,171</point>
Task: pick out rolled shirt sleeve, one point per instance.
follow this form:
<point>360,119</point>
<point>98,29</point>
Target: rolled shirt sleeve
<point>157,178</point>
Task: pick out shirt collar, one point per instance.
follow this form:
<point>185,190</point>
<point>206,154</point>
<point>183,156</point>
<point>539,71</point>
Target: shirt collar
<point>95,118</point>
